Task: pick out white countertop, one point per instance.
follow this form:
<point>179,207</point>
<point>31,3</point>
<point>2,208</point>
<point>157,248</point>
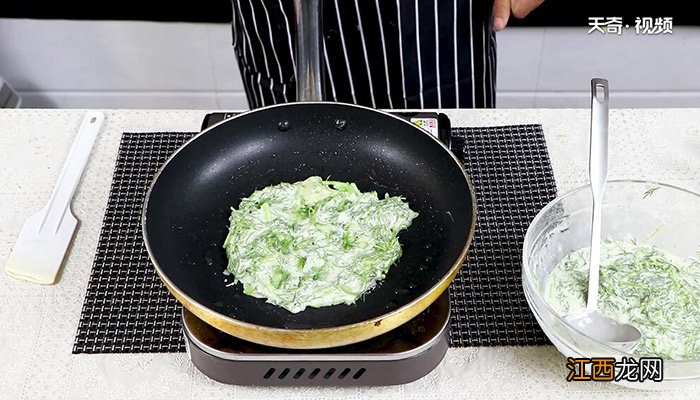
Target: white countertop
<point>38,323</point>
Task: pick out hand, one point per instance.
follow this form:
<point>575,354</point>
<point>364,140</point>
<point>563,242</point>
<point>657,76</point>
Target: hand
<point>503,8</point>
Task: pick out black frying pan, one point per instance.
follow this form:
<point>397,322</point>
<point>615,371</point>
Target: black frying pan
<point>185,217</point>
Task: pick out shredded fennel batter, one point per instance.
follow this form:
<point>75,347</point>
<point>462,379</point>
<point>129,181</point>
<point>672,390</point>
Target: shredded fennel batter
<point>641,285</point>
<point>314,243</point>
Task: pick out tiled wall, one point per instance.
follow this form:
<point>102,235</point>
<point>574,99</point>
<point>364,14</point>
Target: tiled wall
<point>114,64</point>
<point>108,64</point>
<point>552,67</point>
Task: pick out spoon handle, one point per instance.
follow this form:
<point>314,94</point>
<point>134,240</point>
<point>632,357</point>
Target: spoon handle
<point>598,171</point>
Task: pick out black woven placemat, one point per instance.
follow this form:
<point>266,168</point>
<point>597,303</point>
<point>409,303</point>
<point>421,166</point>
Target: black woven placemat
<point>513,180</point>
<point>127,309</point>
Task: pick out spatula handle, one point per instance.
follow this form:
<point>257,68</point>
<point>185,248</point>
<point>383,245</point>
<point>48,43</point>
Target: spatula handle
<point>309,36</point>
<point>78,155</point>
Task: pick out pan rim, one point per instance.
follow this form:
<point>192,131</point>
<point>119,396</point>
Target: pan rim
<point>317,337</point>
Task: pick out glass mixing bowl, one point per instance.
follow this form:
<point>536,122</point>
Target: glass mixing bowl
<point>653,213</point>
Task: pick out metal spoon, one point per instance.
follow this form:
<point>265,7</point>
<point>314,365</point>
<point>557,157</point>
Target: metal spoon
<point>591,322</point>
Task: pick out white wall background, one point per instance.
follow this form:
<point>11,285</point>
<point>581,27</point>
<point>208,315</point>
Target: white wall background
<point>117,64</point>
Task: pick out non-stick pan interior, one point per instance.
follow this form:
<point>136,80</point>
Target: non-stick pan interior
<point>186,215</point>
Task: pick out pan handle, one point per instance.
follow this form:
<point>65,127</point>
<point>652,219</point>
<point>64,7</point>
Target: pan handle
<point>308,52</point>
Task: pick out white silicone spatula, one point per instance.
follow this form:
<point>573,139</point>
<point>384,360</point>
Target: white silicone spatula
<point>45,236</point>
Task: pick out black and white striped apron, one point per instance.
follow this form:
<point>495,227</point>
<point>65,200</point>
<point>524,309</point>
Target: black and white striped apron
<point>377,53</point>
